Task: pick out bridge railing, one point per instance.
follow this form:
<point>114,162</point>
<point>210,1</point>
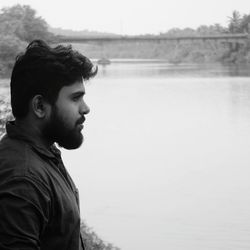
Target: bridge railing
<point>83,39</point>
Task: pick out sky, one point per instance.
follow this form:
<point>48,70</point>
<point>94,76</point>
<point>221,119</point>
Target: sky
<point>133,17</point>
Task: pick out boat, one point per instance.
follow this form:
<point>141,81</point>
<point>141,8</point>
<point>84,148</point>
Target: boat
<point>103,61</point>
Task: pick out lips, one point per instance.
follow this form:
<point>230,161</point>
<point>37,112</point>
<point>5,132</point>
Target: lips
<point>80,126</point>
<point>80,122</point>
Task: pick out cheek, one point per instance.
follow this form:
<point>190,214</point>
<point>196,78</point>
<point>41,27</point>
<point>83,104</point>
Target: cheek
<point>69,113</point>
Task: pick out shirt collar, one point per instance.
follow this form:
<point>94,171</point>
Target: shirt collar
<point>15,132</point>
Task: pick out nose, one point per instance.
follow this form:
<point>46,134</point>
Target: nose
<point>84,110</point>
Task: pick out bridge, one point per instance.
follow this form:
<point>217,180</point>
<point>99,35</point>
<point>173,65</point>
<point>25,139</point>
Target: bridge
<point>238,38</point>
<point>139,46</point>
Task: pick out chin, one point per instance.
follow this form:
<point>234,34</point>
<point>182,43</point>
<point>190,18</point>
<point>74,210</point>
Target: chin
<point>72,143</point>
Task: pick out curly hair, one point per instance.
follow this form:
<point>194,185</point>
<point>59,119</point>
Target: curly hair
<point>44,70</point>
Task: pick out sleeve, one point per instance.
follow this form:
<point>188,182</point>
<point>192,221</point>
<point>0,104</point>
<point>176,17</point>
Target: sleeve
<point>24,213</point>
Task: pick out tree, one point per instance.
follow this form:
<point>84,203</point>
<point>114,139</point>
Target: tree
<point>211,29</point>
<point>245,24</point>
<point>235,22</point>
<point>218,29</point>
<point>23,23</point>
<point>18,26</point>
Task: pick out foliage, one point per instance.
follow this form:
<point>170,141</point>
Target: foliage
<point>23,23</point>
<point>18,26</point>
<point>245,23</point>
<point>5,114</point>
<point>215,29</point>
<point>239,23</point>
<point>10,46</point>
<point>92,241</point>
<point>235,22</point>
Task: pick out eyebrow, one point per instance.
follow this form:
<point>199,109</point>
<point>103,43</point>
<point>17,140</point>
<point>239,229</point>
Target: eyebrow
<point>78,93</point>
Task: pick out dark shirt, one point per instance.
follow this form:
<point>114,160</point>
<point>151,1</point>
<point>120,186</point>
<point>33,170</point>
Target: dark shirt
<point>39,206</point>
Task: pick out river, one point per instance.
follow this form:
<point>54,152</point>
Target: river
<point>166,158</point>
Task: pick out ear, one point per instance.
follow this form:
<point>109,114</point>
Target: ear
<point>39,106</point>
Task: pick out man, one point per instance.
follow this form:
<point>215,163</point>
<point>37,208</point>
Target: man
<point>39,206</point>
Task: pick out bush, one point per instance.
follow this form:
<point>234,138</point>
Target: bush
<point>10,47</point>
<point>92,241</point>
<point>5,114</point>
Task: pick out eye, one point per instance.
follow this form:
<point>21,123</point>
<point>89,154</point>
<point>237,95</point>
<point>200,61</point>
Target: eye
<point>77,98</point>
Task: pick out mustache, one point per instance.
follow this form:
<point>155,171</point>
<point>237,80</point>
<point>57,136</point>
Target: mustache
<point>81,120</point>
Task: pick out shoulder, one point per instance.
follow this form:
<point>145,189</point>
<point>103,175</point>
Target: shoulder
<point>13,154</point>
<point>19,160</point>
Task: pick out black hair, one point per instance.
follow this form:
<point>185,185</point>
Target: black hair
<point>44,70</point>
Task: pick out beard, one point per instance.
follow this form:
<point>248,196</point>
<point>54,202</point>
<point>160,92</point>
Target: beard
<point>65,135</point>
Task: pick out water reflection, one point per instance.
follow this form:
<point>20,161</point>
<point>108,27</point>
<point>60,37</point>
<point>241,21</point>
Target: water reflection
<point>129,68</point>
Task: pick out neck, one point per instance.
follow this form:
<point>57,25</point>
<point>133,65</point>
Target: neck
<point>35,131</point>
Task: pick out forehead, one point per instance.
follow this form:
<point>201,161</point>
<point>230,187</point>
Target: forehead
<point>76,87</point>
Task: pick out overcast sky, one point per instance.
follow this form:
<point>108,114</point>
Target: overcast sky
<point>133,16</point>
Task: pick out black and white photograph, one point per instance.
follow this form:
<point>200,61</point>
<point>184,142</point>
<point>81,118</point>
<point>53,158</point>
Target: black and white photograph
<point>124,125</point>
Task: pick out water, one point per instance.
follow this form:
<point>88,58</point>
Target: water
<point>166,158</point>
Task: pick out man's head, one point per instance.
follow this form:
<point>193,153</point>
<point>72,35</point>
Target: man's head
<point>47,84</point>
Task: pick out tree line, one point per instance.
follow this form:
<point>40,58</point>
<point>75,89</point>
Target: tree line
<point>19,25</point>
<point>196,51</point>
